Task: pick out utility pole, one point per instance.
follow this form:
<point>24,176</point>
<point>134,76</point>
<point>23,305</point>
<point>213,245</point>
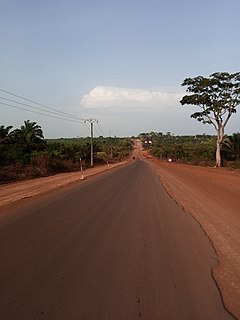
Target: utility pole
<point>111,147</point>
<point>91,121</point>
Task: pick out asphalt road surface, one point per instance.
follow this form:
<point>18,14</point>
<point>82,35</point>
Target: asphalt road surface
<point>115,246</point>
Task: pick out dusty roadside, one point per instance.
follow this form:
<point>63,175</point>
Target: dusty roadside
<point>12,192</point>
<point>212,197</point>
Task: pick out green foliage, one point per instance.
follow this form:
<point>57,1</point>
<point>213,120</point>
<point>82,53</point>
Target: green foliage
<point>231,147</point>
<point>114,149</point>
<point>5,134</point>
<point>217,97</point>
<point>199,149</point>
<point>29,137</point>
<point>18,145</point>
<point>24,153</point>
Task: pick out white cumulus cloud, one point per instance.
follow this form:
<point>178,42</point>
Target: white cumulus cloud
<point>116,97</point>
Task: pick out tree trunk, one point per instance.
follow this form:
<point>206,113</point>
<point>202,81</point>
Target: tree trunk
<point>218,154</point>
<point>220,134</point>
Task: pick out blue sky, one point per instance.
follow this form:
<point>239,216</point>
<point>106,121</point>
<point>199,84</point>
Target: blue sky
<point>121,62</point>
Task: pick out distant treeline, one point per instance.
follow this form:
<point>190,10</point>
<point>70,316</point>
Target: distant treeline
<point>198,149</point>
<point>24,153</point>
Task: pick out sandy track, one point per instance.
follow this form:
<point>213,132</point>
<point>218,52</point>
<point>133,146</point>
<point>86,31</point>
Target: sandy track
<point>12,192</point>
<point>212,197</point>
<point>116,247</point>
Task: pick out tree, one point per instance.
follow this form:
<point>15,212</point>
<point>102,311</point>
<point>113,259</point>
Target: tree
<point>29,137</point>
<point>5,134</point>
<point>232,146</point>
<point>218,97</point>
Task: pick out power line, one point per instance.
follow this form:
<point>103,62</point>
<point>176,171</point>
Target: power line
<point>97,131</point>
<point>100,129</point>
<point>40,104</point>
<point>48,115</point>
<point>86,126</point>
<point>27,105</point>
<point>57,114</point>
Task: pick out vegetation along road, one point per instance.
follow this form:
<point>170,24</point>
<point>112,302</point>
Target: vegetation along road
<point>115,246</point>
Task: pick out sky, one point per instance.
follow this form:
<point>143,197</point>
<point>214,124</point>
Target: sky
<point>119,62</point>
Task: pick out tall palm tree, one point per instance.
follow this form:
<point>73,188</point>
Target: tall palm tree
<point>232,146</point>
<point>29,136</point>
<point>5,134</point>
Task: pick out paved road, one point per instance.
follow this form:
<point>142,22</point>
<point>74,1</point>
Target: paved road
<point>112,247</point>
